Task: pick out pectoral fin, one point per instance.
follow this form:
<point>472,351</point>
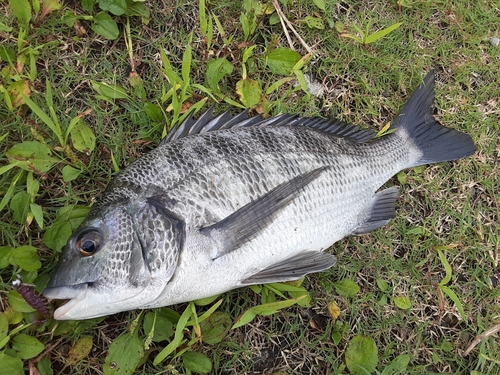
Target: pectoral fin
<point>246,223</point>
<point>293,268</point>
<point>381,211</point>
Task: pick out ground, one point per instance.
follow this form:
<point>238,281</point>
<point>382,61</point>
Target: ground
<point>421,288</point>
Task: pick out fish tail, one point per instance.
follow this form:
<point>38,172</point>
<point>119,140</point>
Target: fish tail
<point>430,141</point>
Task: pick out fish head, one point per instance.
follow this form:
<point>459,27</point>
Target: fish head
<point>104,269</point>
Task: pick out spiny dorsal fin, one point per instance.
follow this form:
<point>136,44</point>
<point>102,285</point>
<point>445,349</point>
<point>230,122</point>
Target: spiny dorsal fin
<point>208,122</point>
<point>335,127</point>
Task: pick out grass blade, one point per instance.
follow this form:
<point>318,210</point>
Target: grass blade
<point>171,76</point>
<point>380,34</point>
<point>44,117</point>
<point>450,293</point>
<point>179,334</point>
<point>203,18</point>
<point>186,62</point>
<point>206,314</point>
<point>447,268</point>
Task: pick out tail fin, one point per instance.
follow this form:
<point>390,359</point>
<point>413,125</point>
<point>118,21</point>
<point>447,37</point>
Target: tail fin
<point>433,142</point>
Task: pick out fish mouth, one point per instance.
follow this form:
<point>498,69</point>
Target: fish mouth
<point>66,291</point>
<point>75,294</point>
<point>85,302</point>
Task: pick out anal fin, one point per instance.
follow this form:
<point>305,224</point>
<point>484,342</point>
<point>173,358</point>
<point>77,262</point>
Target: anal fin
<point>381,211</point>
<point>293,268</point>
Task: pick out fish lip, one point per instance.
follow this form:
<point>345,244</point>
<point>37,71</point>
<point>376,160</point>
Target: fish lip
<point>76,292</point>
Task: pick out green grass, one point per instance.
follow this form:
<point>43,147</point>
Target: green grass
<point>450,204</point>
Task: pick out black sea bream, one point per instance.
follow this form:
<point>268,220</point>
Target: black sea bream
<point>228,201</point>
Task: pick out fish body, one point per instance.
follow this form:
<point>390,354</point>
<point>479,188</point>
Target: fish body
<point>228,201</point>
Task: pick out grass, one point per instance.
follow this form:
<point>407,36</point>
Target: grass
<point>455,205</point>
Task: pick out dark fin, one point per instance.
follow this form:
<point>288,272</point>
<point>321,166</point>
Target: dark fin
<point>208,122</point>
<point>240,121</point>
<point>293,268</point>
<point>246,223</point>
<point>181,130</point>
<point>381,211</point>
<point>435,143</point>
<point>187,125</point>
<point>335,127</point>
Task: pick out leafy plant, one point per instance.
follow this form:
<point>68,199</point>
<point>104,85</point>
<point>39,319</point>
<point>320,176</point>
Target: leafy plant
<point>179,89</point>
<point>188,330</point>
<point>16,347</point>
<point>402,302</point>
<point>314,22</point>
<point>248,89</point>
<point>281,60</point>
<point>385,289</point>
<point>102,23</point>
<point>125,352</point>
<point>442,286</point>
<point>270,305</point>
<point>321,4</point>
<point>361,356</point>
<point>252,10</point>
<point>36,158</point>
<point>15,343</point>
<point>346,288</point>
<point>367,37</point>
<point>21,69</point>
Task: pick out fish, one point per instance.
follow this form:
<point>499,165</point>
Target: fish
<point>231,200</point>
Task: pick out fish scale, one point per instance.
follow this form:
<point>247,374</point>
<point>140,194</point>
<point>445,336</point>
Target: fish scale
<point>299,156</point>
<point>306,154</point>
<point>229,201</point>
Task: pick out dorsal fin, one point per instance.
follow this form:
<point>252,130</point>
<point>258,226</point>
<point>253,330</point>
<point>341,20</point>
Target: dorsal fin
<point>208,122</point>
<point>335,127</point>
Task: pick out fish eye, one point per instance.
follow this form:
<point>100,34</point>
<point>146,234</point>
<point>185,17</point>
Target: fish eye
<point>88,242</point>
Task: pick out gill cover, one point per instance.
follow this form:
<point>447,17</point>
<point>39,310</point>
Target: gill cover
<point>161,235</point>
